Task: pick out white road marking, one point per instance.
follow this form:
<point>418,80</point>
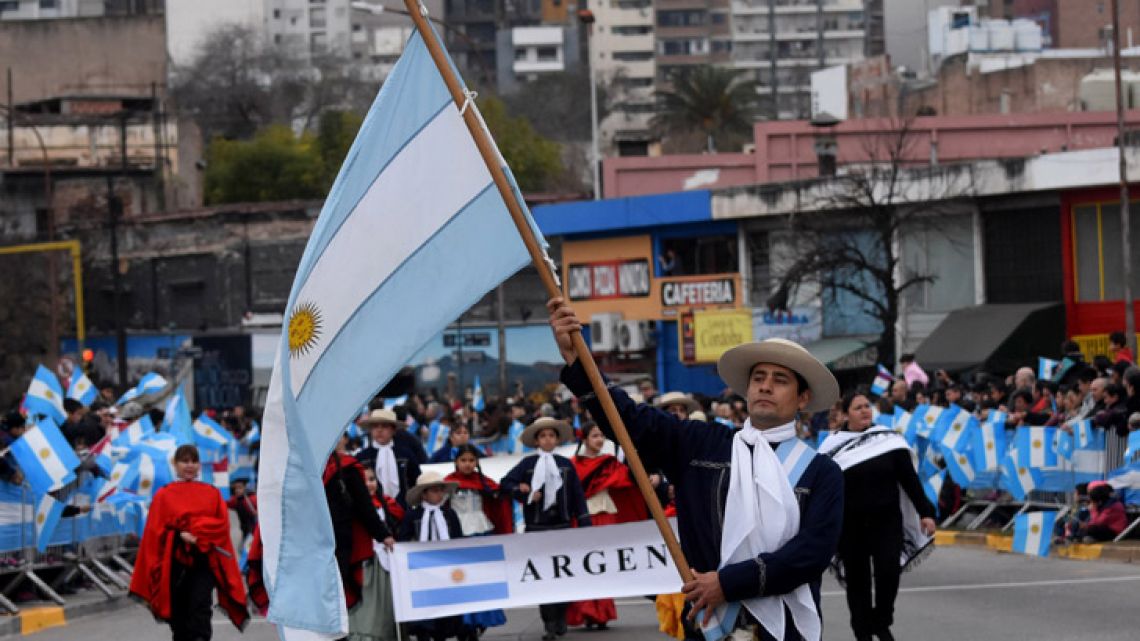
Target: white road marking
<point>1017,584</point>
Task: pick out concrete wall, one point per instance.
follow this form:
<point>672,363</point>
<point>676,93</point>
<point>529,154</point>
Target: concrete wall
<point>89,56</point>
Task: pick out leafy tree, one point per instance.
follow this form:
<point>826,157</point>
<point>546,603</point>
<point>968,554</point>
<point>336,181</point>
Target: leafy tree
<point>274,165</point>
<point>718,103</point>
<point>536,161</point>
<point>335,133</point>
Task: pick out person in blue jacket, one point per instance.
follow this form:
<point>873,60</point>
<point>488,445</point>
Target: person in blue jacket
<point>758,513</point>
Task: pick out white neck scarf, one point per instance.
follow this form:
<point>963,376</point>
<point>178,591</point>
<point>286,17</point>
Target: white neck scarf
<point>387,471</point>
<point>433,515</point>
<point>547,478</point>
<point>761,515</point>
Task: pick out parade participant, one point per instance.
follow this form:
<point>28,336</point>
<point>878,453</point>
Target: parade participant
<point>244,503</point>
<point>430,519</point>
<point>551,493</point>
<point>881,524</point>
<point>482,510</point>
<point>678,404</point>
<point>356,524</point>
<point>772,567</point>
<point>395,465</point>
<point>375,618</point>
<point>611,497</point>
<point>460,435</point>
<point>186,552</point>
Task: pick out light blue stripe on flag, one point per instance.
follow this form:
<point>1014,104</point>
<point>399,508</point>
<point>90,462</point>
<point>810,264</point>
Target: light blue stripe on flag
<point>461,594</point>
<point>458,556</point>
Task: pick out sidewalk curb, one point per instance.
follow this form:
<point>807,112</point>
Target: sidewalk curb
<point>1076,551</point>
<point>35,617</point>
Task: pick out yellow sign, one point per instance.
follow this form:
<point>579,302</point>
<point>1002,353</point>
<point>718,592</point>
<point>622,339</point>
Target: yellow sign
<point>716,332</point>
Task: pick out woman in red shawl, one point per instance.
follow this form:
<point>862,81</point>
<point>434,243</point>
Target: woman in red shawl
<point>611,498</point>
<point>186,552</point>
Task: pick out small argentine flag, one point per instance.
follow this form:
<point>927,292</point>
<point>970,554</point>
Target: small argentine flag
<point>45,396</point>
<point>134,433</point>
<point>956,425</point>
<point>933,486</point>
<point>1019,480</point>
<point>882,381</point>
<point>81,388</point>
<point>390,403</point>
<point>958,464</point>
<point>150,382</point>
<point>210,436</point>
<point>48,513</point>
<point>1033,532</point>
<point>1086,437</point>
<point>457,576</point>
<point>1035,447</point>
<point>925,417</point>
<point>905,425</point>
<point>1064,444</point>
<point>1046,368</point>
<point>477,402</point>
<point>989,446</point>
<point>45,457</point>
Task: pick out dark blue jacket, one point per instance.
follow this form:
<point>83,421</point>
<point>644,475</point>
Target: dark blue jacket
<point>569,507</point>
<point>406,460</point>
<point>696,457</point>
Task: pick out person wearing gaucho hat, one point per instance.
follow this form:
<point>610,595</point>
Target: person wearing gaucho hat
<point>678,404</point>
<point>759,549</point>
<point>551,493</point>
<point>395,464</point>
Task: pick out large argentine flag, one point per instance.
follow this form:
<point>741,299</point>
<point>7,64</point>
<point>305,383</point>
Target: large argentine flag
<point>45,396</point>
<point>1033,532</point>
<point>45,457</point>
<point>413,210</point>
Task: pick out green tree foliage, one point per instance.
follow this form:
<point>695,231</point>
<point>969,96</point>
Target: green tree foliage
<point>716,102</point>
<point>335,133</point>
<point>274,165</point>
<point>535,161</point>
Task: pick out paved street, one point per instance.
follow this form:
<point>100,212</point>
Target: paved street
<point>957,594</point>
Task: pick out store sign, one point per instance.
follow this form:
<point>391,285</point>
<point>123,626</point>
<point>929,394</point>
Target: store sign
<point>706,335</point>
<point>711,292</point>
<point>609,279</point>
<point>803,325</point>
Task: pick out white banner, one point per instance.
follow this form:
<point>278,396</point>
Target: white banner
<point>489,572</point>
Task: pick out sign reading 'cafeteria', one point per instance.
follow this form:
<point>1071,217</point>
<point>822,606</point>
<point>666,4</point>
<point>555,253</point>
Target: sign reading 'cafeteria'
<point>719,291</point>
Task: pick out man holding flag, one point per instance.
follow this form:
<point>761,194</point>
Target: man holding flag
<point>764,571</point>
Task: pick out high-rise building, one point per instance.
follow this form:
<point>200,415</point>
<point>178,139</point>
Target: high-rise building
<point>622,52</point>
<point>55,9</point>
<point>691,33</point>
<point>782,41</point>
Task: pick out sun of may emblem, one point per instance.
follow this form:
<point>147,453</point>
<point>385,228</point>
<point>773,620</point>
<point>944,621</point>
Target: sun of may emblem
<point>304,329</point>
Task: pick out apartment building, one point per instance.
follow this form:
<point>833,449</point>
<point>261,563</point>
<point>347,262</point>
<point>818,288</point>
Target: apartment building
<point>55,9</point>
<point>622,52</point>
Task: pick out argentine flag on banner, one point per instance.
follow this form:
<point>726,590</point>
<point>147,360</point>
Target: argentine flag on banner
<point>211,437</point>
<point>150,382</point>
<point>477,402</point>
<point>45,458</point>
<point>1033,532</point>
<point>45,396</point>
<point>81,388</point>
<point>413,209</point>
<point>457,576</point>
<point>48,513</point>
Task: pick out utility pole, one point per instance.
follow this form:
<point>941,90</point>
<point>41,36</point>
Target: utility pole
<point>1125,222</point>
<point>114,210</point>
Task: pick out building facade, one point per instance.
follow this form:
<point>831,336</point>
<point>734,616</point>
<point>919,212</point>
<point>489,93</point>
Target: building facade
<point>622,52</point>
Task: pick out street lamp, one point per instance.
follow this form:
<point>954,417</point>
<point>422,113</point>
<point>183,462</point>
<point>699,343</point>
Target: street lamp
<point>586,18</point>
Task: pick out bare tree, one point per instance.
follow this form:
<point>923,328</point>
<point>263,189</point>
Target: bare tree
<point>848,227</point>
<point>238,84</point>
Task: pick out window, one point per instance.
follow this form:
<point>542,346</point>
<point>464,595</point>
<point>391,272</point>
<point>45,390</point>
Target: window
<point>638,30</point>
<point>9,5</point>
<point>317,18</point>
<point>276,14</point>
<point>685,47</point>
<point>633,56</point>
<point>547,54</point>
<point>520,54</point>
<point>682,18</point>
<point>357,27</point>
<point>49,4</point>
<point>1098,256</point>
<point>700,255</point>
<point>1020,267</point>
<point>632,4</point>
<point>317,42</point>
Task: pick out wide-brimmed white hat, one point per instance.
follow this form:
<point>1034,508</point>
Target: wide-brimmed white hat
<point>735,367</point>
<point>379,417</point>
<point>529,436</point>
<point>677,398</point>
<point>426,481</point>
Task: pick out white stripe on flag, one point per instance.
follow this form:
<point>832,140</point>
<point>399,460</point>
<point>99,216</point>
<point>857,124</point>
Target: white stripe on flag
<point>365,251</point>
<point>46,454</point>
<point>1035,530</point>
<point>1037,447</point>
<point>39,389</point>
<point>458,575</point>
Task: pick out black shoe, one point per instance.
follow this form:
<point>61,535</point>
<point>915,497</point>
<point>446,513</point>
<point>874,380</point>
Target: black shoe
<point>561,629</point>
<point>603,626</point>
<point>885,635</point>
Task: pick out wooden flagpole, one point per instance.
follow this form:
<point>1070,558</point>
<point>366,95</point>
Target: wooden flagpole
<point>539,258</point>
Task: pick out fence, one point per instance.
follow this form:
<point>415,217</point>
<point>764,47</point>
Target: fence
<point>95,544</point>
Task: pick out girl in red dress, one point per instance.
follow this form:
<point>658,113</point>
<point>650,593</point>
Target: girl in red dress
<point>611,497</point>
<point>186,552</point>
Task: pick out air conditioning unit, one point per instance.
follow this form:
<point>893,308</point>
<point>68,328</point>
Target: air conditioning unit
<point>604,332</point>
<point>634,336</point>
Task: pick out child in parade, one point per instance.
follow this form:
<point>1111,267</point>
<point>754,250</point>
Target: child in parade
<point>551,492</point>
<point>395,464</point>
<point>460,436</point>
<point>375,620</point>
<point>482,511</point>
<point>185,552</point>
<point>610,498</point>
<point>431,519</point>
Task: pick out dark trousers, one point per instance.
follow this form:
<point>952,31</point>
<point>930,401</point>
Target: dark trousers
<point>553,616</point>
<point>192,601</point>
<point>870,551</point>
